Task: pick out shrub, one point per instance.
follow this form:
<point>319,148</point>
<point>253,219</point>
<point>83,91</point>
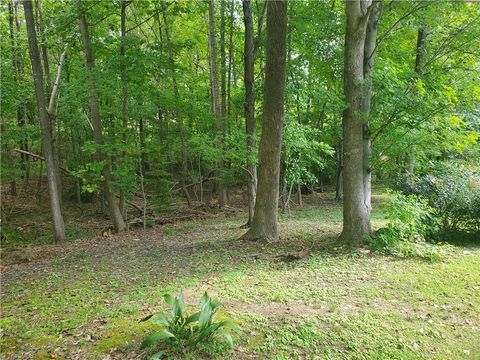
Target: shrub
<point>189,330</point>
<point>454,192</point>
<point>411,221</point>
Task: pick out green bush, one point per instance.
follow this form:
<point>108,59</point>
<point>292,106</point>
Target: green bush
<point>454,192</point>
<point>411,221</point>
<point>189,330</point>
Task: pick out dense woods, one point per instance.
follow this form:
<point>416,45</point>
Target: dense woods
<point>120,115</point>
<point>160,99</point>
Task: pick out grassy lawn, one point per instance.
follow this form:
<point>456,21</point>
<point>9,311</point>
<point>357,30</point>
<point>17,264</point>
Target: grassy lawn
<point>331,303</point>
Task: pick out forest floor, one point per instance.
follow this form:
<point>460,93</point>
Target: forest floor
<point>84,300</point>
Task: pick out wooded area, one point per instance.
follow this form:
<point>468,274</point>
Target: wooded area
<point>237,140</point>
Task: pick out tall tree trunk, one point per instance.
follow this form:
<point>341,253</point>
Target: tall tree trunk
<point>217,112</point>
<point>264,225</point>
<point>356,219</point>
<point>18,76</point>
<point>181,130</point>
<point>231,49</point>
<point>123,77</point>
<point>368,61</point>
<point>249,63</point>
<point>114,210</point>
<point>251,46</point>
<point>223,61</point>
<point>58,223</point>
<point>420,56</point>
<point>49,90</point>
<point>419,60</point>
<point>16,71</point>
<point>43,48</point>
<point>53,122</point>
<point>339,180</point>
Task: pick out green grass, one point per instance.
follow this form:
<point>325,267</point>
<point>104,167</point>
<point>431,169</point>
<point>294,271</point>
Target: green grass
<point>334,303</point>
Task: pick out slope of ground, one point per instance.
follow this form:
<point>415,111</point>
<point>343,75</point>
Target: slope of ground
<point>84,300</point>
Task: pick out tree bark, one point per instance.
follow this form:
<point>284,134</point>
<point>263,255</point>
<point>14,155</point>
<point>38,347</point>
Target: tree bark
<point>43,48</point>
<point>356,219</point>
<point>419,60</point>
<point>231,49</point>
<point>18,76</point>
<point>114,210</point>
<point>339,180</point>
<point>59,226</point>
<point>249,63</point>
<point>53,122</point>
<point>264,225</point>
<point>420,56</point>
<point>368,61</point>
<point>181,131</point>
<point>223,61</point>
<point>212,41</point>
<point>123,77</point>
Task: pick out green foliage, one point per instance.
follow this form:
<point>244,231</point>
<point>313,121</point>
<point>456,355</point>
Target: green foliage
<point>303,154</point>
<point>193,329</point>
<point>411,221</point>
<point>453,191</point>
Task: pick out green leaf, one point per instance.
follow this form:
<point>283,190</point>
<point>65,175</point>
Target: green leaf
<point>178,307</point>
<point>204,299</point>
<point>207,331</point>
<point>193,318</point>
<point>228,324</point>
<point>168,299</point>
<point>205,315</point>
<point>155,337</point>
<point>229,339</point>
<point>215,304</point>
<point>161,319</point>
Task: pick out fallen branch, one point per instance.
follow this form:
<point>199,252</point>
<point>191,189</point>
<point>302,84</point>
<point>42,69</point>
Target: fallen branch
<point>195,183</point>
<point>161,221</point>
<point>39,157</point>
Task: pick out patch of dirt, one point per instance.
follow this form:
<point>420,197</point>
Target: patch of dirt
<point>294,309</point>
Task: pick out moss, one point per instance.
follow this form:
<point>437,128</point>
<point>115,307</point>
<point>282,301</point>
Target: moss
<point>122,334</point>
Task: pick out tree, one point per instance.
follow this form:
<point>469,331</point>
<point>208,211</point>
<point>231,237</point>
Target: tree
<point>251,46</point>
<point>59,226</point>
<point>249,63</point>
<point>356,143</point>
<point>114,209</point>
<point>214,89</point>
<point>264,225</point>
<point>419,60</point>
<point>368,61</point>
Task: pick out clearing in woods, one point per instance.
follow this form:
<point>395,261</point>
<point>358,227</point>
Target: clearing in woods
<point>301,297</point>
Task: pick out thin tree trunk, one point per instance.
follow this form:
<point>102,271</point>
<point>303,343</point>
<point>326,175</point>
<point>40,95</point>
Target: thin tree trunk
<point>251,46</point>
<point>123,77</point>
<point>13,183</point>
<point>217,111</point>
<point>223,61</point>
<point>368,61</point>
<point>419,60</point>
<point>58,223</point>
<point>53,122</point>
<point>299,195</point>
<point>18,76</point>
<point>179,119</point>
<point>114,210</point>
<point>249,63</point>
<point>264,225</point>
<point>231,49</point>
